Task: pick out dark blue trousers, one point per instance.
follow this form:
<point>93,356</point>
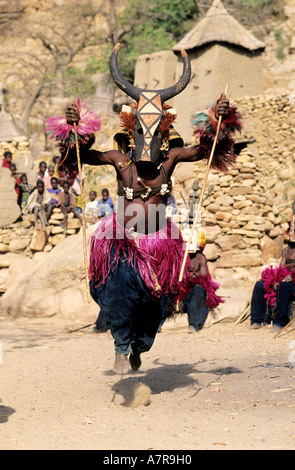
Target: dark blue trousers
<point>195,306</point>
<point>126,304</point>
<point>259,313</point>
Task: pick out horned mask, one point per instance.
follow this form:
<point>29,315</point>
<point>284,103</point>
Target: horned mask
<point>149,111</point>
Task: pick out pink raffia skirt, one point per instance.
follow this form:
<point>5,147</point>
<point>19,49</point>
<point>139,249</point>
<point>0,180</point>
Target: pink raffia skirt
<point>158,256</point>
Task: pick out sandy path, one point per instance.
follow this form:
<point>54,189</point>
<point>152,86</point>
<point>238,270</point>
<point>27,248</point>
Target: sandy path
<point>225,387</point>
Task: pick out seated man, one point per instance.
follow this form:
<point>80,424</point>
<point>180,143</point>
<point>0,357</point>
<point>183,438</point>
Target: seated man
<point>91,208</point>
<point>37,204</point>
<point>105,204</point>
<point>67,203</point>
<point>275,290</point>
<point>201,296</point>
<point>54,192</point>
<point>195,301</point>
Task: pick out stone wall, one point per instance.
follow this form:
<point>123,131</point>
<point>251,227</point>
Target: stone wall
<point>246,216</point>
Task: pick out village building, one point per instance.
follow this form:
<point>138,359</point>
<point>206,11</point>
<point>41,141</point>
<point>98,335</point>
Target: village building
<point>222,52</point>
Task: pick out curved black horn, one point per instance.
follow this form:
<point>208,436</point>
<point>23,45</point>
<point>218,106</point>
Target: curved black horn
<point>118,78</point>
<point>174,90</point>
<point>134,92</point>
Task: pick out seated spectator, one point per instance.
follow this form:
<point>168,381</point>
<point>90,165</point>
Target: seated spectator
<point>91,208</point>
<point>7,159</point>
<point>14,173</point>
<point>200,295</point>
<point>25,189</point>
<point>67,203</point>
<point>54,192</point>
<point>275,290</point>
<point>55,162</point>
<point>195,301</point>
<point>42,170</point>
<point>37,204</point>
<point>105,204</point>
<point>59,172</point>
<point>76,190</point>
<point>47,178</point>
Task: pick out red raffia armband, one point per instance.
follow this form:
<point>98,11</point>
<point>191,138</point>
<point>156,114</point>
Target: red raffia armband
<point>205,127</point>
<point>64,134</point>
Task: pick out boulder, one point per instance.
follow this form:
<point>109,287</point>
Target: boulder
<point>211,232</point>
<point>38,240</point>
<point>18,245</point>
<point>232,258</point>
<point>211,252</point>
<point>236,301</point>
<point>50,285</point>
<point>227,242</point>
<point>9,208</point>
<point>271,248</point>
<point>3,248</point>
<point>7,258</point>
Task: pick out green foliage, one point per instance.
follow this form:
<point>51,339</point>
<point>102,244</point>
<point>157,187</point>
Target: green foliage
<point>255,3</point>
<point>94,63</point>
<point>279,35</point>
<point>155,25</point>
<point>78,83</point>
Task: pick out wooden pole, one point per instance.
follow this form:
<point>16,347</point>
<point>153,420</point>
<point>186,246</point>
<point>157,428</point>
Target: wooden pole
<point>83,216</point>
<point>201,196</point>
<point>285,328</point>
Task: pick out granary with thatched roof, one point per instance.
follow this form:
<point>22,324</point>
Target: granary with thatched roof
<point>221,52</point>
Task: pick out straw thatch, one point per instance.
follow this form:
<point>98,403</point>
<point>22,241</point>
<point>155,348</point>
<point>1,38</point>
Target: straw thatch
<point>218,26</point>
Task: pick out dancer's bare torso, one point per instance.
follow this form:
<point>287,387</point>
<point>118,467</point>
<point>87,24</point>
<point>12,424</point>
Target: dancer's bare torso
<point>144,215</point>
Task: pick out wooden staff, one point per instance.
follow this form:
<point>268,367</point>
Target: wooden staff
<point>285,328</point>
<point>83,215</point>
<point>201,196</point>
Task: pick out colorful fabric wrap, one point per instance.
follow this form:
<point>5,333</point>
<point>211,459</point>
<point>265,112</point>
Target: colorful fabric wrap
<point>271,277</point>
<point>205,127</point>
<point>157,256</point>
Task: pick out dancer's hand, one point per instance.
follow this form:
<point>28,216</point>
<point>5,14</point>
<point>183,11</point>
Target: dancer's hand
<point>72,114</point>
<point>222,107</point>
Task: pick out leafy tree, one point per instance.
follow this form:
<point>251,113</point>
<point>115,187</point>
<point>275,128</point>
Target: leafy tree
<point>148,27</point>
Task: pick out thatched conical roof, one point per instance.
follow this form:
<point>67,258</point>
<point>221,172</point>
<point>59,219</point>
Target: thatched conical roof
<point>218,26</point>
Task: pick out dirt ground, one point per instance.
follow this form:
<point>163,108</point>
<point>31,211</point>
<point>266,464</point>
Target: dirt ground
<point>226,387</point>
